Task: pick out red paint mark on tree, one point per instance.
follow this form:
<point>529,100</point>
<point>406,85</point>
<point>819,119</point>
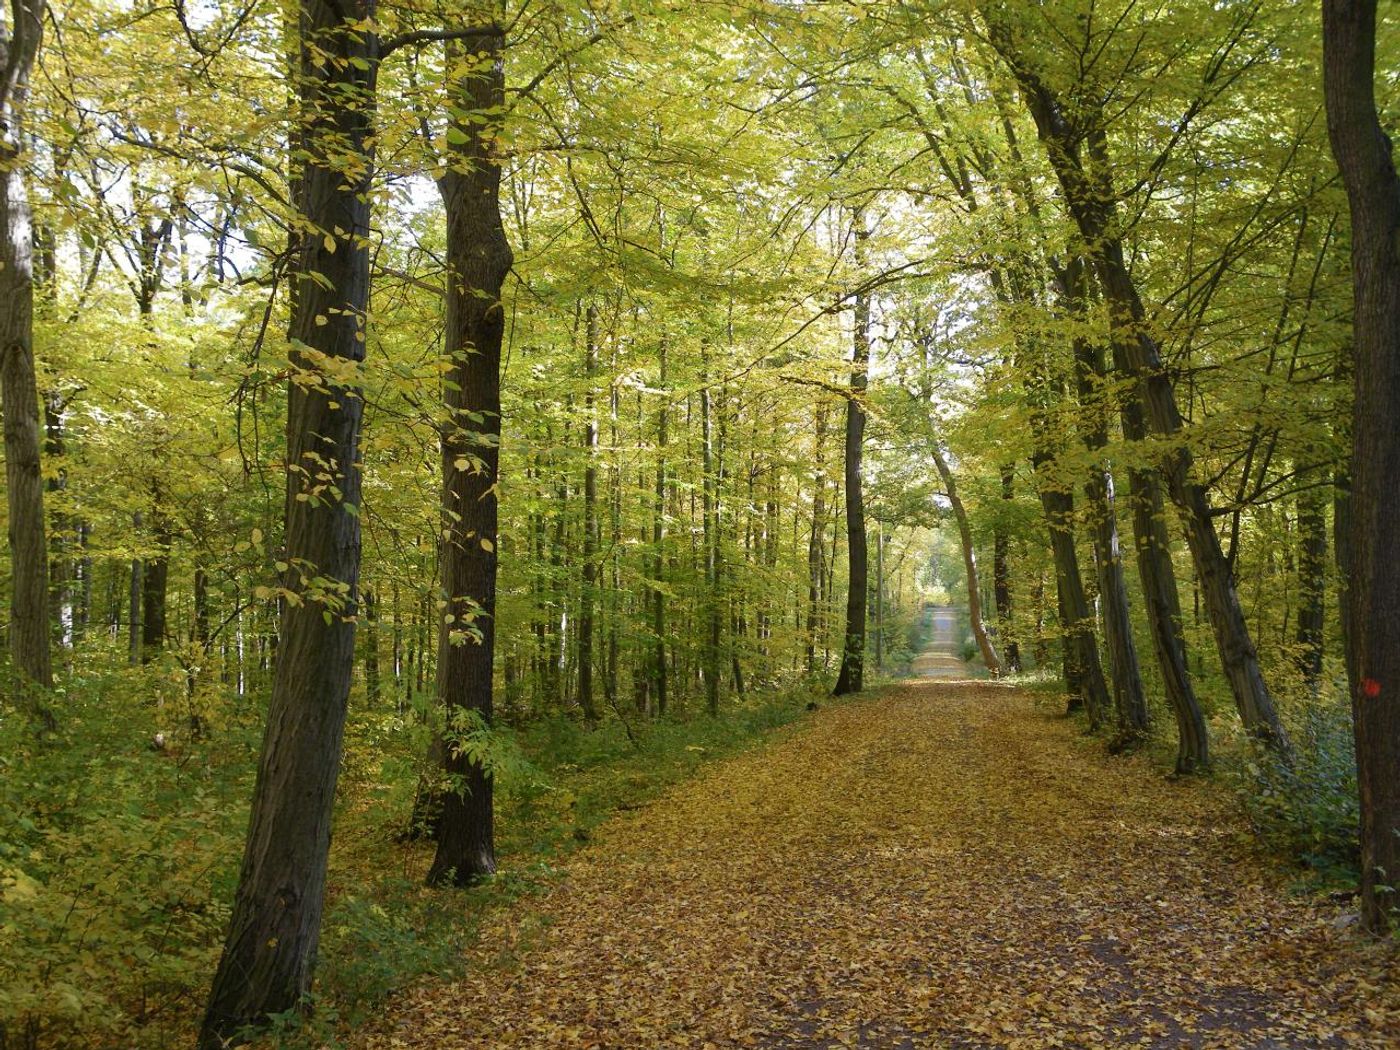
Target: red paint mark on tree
<point>1370,687</point>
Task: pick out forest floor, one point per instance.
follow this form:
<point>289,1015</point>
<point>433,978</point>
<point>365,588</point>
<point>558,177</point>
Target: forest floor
<point>942,864</point>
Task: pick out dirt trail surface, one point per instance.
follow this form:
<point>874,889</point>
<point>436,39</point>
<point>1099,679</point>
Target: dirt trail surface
<point>943,865</point>
<point>940,658</point>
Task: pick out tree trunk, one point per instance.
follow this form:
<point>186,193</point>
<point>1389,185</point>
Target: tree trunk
<point>1083,671</point>
<point>1158,579</point>
<point>1364,157</point>
<point>1129,701</point>
<point>710,540</point>
<point>270,952</point>
<point>136,588</point>
<point>816,559</point>
<point>588,595</point>
<point>29,633</point>
<point>1001,576</point>
<point>852,676</point>
<point>1091,200</point>
<point>478,260</point>
<point>658,542</point>
<point>974,583</point>
<point>155,581</point>
<point>371,644</point>
<point>1312,580</point>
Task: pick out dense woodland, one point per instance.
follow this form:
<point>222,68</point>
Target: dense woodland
<point>408,406</point>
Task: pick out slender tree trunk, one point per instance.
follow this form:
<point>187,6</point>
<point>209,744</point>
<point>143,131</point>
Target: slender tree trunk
<point>270,952</point>
<point>1083,671</point>
<point>155,583</point>
<point>371,644</point>
<point>136,588</point>
<point>1312,582</point>
<point>1364,157</point>
<point>880,597</point>
<point>1001,576</point>
<point>1129,700</point>
<point>816,558</point>
<point>710,540</point>
<point>1158,578</point>
<point>588,597</point>
<point>478,260</point>
<point>614,595</point>
<point>60,557</point>
<point>852,676</point>
<point>658,542</point>
<point>1091,200</point>
<point>969,553</point>
<point>29,632</point>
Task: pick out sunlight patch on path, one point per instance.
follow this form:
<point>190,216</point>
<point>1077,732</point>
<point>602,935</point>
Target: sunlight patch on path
<point>942,865</point>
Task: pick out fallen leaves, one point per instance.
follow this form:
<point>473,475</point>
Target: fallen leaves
<point>936,867</point>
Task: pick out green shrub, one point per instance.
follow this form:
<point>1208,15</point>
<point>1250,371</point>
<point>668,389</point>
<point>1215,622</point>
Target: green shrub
<point>1311,811</point>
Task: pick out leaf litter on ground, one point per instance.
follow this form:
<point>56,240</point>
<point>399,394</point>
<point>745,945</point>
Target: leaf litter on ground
<point>938,866</point>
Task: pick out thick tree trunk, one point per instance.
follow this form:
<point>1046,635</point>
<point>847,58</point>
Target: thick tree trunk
<point>478,260</point>
<point>969,553</point>
<point>29,632</point>
<point>1364,157</point>
<point>852,676</point>
<point>270,953</point>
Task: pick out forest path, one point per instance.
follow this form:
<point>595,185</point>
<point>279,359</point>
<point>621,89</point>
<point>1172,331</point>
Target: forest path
<point>940,658</point>
<point>942,865</point>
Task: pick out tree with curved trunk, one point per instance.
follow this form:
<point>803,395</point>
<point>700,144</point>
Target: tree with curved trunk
<point>969,553</point>
<point>1363,153</point>
<point>29,634</point>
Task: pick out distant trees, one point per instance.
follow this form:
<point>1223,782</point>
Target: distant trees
<point>615,414</point>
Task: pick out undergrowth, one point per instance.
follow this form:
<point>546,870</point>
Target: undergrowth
<point>119,850</point>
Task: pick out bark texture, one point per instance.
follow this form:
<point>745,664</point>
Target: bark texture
<point>852,676</point>
<point>1157,575</point>
<point>1364,156</point>
<point>478,259</point>
<point>29,633</point>
<point>1129,700</point>
<point>270,953</point>
<point>1088,189</point>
